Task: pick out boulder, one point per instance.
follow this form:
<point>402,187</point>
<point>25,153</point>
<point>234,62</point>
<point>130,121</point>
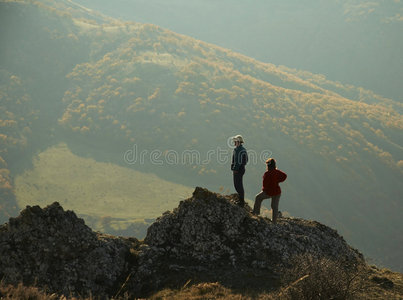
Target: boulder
<point>54,248</point>
<point>210,238</point>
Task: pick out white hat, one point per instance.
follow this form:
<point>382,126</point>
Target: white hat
<point>238,138</point>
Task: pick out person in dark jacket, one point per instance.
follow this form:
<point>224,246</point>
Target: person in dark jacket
<point>239,160</point>
<point>271,189</point>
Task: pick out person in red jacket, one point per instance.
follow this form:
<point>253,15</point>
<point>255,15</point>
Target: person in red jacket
<point>271,189</point>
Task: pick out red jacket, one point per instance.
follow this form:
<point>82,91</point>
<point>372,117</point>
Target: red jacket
<point>271,179</point>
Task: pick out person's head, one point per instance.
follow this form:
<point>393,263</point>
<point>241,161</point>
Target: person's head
<point>271,164</point>
<point>238,140</point>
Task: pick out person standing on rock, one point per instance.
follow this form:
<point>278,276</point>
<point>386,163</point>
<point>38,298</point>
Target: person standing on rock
<point>271,188</point>
<point>239,160</point>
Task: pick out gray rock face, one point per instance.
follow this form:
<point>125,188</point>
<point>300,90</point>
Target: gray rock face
<point>207,238</point>
<point>52,247</point>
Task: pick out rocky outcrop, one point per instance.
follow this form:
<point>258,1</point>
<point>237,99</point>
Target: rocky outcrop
<point>207,238</point>
<point>53,248</point>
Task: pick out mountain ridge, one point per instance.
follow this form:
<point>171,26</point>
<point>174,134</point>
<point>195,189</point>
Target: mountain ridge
<point>208,238</point>
<point>344,40</point>
<point>123,88</point>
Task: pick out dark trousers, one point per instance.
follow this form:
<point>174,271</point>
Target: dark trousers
<point>274,204</point>
<point>238,184</point>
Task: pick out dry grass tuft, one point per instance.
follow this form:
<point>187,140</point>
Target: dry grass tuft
<point>312,278</point>
<point>23,292</point>
<point>199,291</point>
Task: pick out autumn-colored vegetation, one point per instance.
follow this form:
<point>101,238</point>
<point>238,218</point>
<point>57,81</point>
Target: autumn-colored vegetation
<point>168,77</point>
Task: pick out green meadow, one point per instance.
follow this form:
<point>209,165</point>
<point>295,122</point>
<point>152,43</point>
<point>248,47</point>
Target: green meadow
<point>100,192</point>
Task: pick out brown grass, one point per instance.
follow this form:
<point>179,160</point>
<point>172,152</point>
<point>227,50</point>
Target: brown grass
<point>23,292</point>
<point>198,291</point>
<point>317,284</point>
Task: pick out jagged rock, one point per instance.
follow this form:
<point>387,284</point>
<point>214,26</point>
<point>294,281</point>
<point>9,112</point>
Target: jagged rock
<point>53,248</point>
<point>208,237</point>
<point>211,238</point>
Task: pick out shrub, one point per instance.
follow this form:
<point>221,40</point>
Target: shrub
<point>324,278</point>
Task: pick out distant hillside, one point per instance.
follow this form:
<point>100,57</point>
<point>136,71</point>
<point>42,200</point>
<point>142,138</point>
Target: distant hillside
<point>121,89</point>
<point>17,115</point>
<point>353,41</point>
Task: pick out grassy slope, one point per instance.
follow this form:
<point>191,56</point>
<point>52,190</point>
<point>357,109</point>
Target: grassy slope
<point>96,189</point>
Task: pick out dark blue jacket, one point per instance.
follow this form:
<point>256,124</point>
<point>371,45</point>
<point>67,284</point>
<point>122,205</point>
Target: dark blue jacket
<point>239,159</point>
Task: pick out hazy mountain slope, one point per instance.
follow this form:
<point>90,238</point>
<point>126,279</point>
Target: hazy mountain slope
<point>40,44</point>
<point>356,42</point>
<point>166,92</point>
<point>17,116</point>
<point>134,87</point>
<point>38,48</point>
